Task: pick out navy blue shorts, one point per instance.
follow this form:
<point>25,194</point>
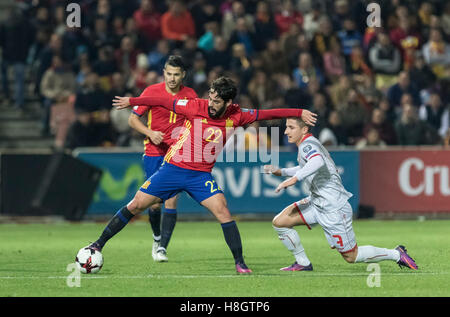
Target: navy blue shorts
<point>152,164</point>
<point>169,180</point>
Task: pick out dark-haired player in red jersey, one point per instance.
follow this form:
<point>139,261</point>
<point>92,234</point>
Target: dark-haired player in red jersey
<point>160,124</point>
<point>188,163</point>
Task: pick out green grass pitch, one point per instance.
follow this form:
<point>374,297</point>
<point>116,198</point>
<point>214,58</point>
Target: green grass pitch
<point>34,260</point>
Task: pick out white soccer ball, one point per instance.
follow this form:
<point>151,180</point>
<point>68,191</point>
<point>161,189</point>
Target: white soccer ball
<point>89,260</point>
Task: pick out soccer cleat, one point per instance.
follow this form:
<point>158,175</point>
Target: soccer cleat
<point>242,268</point>
<point>161,256</point>
<point>94,246</point>
<point>155,247</point>
<point>297,267</point>
<point>405,259</point>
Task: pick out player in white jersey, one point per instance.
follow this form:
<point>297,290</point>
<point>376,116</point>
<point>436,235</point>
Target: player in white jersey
<point>327,205</point>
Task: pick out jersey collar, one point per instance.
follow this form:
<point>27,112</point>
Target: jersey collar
<point>305,137</point>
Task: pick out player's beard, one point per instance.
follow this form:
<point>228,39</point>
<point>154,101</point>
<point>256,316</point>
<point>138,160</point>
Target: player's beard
<point>218,113</point>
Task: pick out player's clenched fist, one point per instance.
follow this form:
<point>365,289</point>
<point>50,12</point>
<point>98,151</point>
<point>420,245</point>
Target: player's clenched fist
<point>121,102</point>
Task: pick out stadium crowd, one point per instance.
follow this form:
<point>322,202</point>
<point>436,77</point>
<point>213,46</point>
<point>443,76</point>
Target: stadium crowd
<point>371,86</point>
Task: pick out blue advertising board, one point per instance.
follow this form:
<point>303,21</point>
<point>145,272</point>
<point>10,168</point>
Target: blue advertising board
<point>246,189</point>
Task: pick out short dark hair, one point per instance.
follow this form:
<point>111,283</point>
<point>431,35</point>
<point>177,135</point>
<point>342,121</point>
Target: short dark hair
<point>225,88</point>
<point>301,123</point>
<point>175,61</point>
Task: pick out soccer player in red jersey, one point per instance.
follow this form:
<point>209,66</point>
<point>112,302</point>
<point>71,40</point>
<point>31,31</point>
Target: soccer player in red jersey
<point>188,163</point>
<point>158,131</point>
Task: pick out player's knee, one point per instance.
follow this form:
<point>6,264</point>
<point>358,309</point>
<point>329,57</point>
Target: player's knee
<point>137,205</point>
<point>350,257</point>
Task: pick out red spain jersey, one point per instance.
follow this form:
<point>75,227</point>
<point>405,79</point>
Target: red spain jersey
<point>202,138</point>
<point>160,118</point>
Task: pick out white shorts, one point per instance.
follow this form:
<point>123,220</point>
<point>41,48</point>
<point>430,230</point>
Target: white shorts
<point>337,225</point>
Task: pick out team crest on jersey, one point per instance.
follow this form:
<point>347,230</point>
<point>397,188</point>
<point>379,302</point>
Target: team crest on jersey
<point>204,121</point>
<point>229,123</point>
<point>182,102</point>
<point>146,184</point>
<point>307,148</point>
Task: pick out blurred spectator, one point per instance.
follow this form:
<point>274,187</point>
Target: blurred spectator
<point>436,114</point>
<point>322,39</point>
<point>385,129</point>
<point>240,64</point>
<point>119,87</point>
<point>412,131</point>
<point>90,97</point>
<point>106,64</point>
<point>274,60</point>
<point>421,72</point>
<point>230,18</point>
<point>319,106</point>
<point>306,71</point>
<point>445,19</point>
<point>313,19</point>
<point>80,132</point>
<point>384,56</point>
<point>243,35</point>
<point>349,37</point>
<point>334,62</point>
<point>177,23</point>
<point>265,27</point>
<point>340,13</point>
<point>138,76</point>
<point>15,41</point>
<point>334,133</point>
<point>436,53</point>
<point>295,45</point>
<point>372,138</point>
<point>58,83</point>
<point>405,38</point>
<point>261,89</point>
<point>206,40</point>
<point>126,55</point>
<point>339,90</point>
<point>219,56</point>
<point>157,57</point>
<point>353,115</point>
<point>148,21</point>
<point>204,12</point>
<point>403,86</point>
<point>197,76</point>
<point>287,16</point>
<point>357,65</point>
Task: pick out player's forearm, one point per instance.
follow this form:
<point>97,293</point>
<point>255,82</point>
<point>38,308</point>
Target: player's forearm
<point>152,101</point>
<point>289,171</point>
<point>310,167</point>
<point>135,123</point>
<point>270,114</point>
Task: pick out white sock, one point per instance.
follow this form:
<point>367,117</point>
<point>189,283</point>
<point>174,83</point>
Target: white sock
<point>290,238</point>
<point>370,254</point>
<point>157,238</point>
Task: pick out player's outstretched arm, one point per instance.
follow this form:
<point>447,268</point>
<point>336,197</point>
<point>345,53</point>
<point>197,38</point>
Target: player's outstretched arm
<point>309,117</point>
<point>151,101</point>
<point>311,167</point>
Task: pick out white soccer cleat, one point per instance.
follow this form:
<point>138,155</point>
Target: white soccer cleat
<point>161,256</point>
<point>155,249</point>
